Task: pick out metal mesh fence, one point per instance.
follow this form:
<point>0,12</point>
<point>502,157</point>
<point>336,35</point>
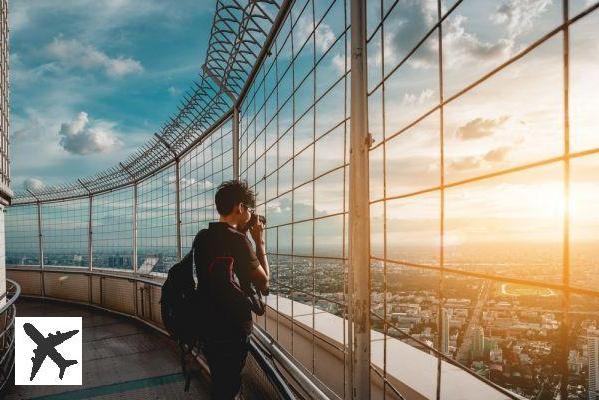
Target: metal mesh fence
<point>65,233</point>
<point>112,233</point>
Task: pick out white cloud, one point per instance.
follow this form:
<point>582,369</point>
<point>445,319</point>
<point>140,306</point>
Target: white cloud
<point>33,184</point>
<point>406,29</point>
<point>466,47</point>
<point>73,54</point>
<point>29,127</point>
<point>339,63</point>
<point>325,37</point>
<point>412,98</point>
<point>497,155</point>
<point>323,34</point>
<point>80,136</point>
<point>518,15</point>
<point>173,91</point>
<point>480,127</point>
<point>494,156</point>
<point>103,15</point>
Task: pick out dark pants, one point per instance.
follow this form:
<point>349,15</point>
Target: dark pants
<point>226,359</point>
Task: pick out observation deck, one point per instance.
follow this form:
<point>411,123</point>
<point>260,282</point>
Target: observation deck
<point>420,172</point>
<point>122,358</point>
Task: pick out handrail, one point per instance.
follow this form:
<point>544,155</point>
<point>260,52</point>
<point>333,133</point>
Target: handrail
<point>271,371</point>
<point>7,336</point>
<point>13,298</point>
<point>278,354</point>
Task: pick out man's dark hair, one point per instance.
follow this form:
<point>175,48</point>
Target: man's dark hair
<point>233,192</point>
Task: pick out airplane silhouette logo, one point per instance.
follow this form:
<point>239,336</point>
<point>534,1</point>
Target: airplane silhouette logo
<point>46,347</point>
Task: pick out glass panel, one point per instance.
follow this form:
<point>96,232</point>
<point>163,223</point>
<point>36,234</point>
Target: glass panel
<point>328,193</point>
<point>328,237</point>
<point>329,151</point>
<point>22,235</point>
<point>302,202</point>
<point>481,35</point>
<point>516,117</point>
<point>412,90</point>
<point>302,168</point>
<point>156,226</point>
<point>413,158</point>
<point>112,226</point>
<point>413,229</point>
<point>377,230</point>
<point>584,222</point>
<point>511,225</point>
<point>584,83</point>
<point>302,238</point>
<point>65,227</point>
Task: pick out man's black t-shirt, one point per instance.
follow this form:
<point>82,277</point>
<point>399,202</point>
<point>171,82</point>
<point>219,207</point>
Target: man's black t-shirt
<point>218,240</point>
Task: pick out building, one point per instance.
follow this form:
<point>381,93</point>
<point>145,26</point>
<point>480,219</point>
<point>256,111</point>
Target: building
<point>478,343</point>
<point>445,332</point>
<point>574,363</point>
<point>593,349</point>
<point>5,192</point>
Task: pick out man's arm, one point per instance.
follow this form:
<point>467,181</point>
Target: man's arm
<point>260,275</point>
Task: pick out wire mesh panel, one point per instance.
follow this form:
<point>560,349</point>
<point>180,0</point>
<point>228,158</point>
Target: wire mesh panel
<point>65,227</point>
<point>202,169</point>
<point>293,152</point>
<point>22,235</point>
<point>156,222</point>
<point>112,227</point>
<point>476,196</point>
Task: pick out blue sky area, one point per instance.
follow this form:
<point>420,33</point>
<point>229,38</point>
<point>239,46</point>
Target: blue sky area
<point>92,80</point>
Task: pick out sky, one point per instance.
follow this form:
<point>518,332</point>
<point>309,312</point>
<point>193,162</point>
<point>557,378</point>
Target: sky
<point>91,80</point>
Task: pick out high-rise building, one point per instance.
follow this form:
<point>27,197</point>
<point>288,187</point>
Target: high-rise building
<point>478,343</point>
<point>593,349</point>
<point>5,192</point>
<point>445,331</point>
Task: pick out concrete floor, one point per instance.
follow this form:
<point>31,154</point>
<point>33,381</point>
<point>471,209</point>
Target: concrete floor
<point>122,359</point>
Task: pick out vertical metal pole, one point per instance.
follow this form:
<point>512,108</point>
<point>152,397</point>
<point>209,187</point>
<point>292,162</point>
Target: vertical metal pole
<point>359,207</point>
<point>90,247</point>
<point>134,245</point>
<point>89,235</point>
<point>235,143</point>
<point>134,229</point>
<point>41,246</point>
<point>178,207</point>
<point>566,322</point>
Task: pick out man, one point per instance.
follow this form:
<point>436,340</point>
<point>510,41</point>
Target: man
<point>226,339</point>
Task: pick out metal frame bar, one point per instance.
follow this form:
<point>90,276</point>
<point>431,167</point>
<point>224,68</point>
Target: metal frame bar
<point>359,209</point>
<point>134,230</point>
<point>235,142</point>
<point>178,206</point>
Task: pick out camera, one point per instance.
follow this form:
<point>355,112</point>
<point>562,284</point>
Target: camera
<point>254,218</point>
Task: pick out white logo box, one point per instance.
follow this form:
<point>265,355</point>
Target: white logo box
<point>69,350</point>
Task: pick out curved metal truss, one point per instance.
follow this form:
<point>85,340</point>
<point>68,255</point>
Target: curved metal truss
<point>238,40</point>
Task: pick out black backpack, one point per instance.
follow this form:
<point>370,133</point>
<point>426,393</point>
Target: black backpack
<point>179,304</point>
<point>222,295</point>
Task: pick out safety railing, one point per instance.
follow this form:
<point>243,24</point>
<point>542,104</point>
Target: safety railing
<point>8,312</point>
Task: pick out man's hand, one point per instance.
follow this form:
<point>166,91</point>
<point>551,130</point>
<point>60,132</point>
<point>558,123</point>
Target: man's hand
<point>257,232</point>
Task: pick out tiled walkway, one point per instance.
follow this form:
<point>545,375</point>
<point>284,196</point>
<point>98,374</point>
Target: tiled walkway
<point>122,359</point>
